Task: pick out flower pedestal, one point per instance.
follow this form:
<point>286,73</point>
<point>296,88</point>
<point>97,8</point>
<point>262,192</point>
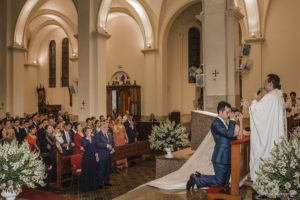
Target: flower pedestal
<point>169,153</point>
<point>9,195</point>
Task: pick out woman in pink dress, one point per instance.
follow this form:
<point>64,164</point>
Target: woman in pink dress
<point>78,149</point>
<point>120,138</point>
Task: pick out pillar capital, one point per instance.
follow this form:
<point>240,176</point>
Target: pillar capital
<point>149,50</point>
<point>18,47</point>
<point>201,16</point>
<point>255,40</point>
<point>234,12</point>
<point>101,35</point>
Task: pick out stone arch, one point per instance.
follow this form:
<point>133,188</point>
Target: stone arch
<point>59,19</point>
<point>141,13</point>
<point>24,20</point>
<point>32,55</point>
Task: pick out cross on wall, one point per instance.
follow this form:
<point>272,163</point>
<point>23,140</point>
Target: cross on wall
<point>83,103</point>
<point>215,73</point>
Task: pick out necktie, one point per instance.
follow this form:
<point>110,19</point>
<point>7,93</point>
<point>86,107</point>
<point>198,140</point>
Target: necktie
<point>67,138</point>
<point>106,137</point>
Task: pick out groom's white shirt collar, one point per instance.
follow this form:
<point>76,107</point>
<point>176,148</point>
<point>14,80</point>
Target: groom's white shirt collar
<point>223,122</point>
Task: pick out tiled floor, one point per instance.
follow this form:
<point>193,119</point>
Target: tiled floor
<point>123,181</point>
<point>134,176</point>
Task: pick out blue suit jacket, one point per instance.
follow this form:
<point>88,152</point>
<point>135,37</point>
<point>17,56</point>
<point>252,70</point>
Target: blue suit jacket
<point>101,144</point>
<point>131,132</point>
<point>223,137</point>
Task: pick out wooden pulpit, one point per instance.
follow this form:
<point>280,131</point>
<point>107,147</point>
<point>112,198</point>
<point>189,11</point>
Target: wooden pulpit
<point>240,151</point>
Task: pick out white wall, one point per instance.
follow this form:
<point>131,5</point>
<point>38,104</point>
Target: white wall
<point>124,49</point>
<point>281,50</point>
<point>279,53</point>
<point>182,95</point>
<point>34,76</point>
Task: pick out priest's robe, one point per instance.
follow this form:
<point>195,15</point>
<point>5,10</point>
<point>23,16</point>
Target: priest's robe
<point>268,124</point>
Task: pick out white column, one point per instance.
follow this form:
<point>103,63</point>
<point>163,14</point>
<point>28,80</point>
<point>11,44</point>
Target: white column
<point>17,87</point>
<point>220,46</point>
<point>100,75</point>
<point>233,16</point>
<point>3,59</point>
<point>87,59</point>
<point>150,83</point>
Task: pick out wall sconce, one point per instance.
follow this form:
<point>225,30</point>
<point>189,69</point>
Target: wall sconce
<point>2,106</point>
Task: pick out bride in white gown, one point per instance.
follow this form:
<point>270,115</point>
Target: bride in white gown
<point>200,161</point>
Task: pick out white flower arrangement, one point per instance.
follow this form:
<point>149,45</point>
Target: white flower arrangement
<point>20,167</point>
<point>280,173</point>
<point>166,135</point>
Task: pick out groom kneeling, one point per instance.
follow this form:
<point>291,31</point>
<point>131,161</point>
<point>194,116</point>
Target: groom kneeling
<point>223,134</point>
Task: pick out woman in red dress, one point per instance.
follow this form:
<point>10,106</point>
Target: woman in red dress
<point>120,138</point>
<point>31,138</point>
<point>78,149</point>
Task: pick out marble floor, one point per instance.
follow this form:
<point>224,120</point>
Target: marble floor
<point>129,179</point>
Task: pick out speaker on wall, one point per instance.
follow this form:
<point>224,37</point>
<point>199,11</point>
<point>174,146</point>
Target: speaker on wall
<point>175,116</point>
<point>73,89</point>
<point>246,50</point>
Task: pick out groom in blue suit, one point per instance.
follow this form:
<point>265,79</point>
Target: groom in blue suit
<point>223,134</point>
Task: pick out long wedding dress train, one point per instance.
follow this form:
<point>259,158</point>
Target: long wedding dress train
<point>200,161</point>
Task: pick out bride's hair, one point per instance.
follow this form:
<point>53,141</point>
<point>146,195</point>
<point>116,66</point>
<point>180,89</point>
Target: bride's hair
<point>235,110</point>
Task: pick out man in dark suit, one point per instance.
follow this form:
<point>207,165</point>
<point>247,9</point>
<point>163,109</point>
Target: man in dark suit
<point>41,138</point>
<point>130,129</point>
<point>35,119</point>
<point>22,132</point>
<point>105,147</point>
<point>67,136</point>
<point>114,114</point>
<point>223,134</point>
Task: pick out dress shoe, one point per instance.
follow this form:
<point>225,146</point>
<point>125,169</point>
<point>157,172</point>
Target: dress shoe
<point>191,182</point>
<point>108,184</point>
<point>198,174</point>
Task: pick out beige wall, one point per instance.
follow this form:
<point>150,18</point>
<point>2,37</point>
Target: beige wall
<point>182,95</point>
<point>279,52</point>
<point>35,76</point>
<point>124,49</point>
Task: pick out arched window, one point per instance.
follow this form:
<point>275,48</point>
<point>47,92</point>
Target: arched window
<point>65,63</point>
<point>52,64</point>
<point>194,53</point>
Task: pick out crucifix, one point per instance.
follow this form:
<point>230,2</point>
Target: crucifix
<point>215,73</point>
<point>2,106</point>
<point>83,103</point>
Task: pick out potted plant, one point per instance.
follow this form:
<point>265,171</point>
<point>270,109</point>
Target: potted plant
<point>279,176</point>
<point>166,136</point>
<point>19,167</point>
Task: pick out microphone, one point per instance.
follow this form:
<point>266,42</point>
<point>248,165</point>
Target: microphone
<point>259,91</point>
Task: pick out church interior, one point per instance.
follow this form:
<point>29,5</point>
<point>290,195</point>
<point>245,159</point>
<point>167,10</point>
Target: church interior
<point>170,58</point>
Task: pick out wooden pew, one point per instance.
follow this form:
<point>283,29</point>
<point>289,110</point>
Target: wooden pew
<point>240,151</point>
<point>63,163</point>
<point>63,167</point>
<point>129,150</point>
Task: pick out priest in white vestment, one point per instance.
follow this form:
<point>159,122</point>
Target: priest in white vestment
<point>267,122</point>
